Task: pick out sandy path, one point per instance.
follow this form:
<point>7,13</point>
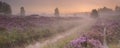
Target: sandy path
<point>85,23</point>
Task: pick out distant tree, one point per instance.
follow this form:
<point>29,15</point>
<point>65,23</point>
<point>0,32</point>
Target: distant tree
<point>117,9</point>
<point>22,11</point>
<point>94,13</point>
<point>105,10</point>
<point>57,12</point>
<point>5,8</point>
<point>1,5</point>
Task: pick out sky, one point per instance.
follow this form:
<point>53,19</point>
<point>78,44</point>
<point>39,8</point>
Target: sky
<point>65,6</point>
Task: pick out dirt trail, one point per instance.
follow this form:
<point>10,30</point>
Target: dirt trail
<point>86,22</point>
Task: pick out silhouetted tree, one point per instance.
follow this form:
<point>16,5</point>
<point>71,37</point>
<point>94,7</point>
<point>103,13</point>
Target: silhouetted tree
<point>22,11</point>
<point>5,8</point>
<point>104,10</point>
<point>94,13</point>
<point>117,9</point>
<point>57,12</point>
<point>1,5</point>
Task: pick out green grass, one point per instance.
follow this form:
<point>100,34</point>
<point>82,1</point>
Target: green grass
<point>62,42</point>
<point>17,38</point>
<point>114,46</point>
<point>10,39</point>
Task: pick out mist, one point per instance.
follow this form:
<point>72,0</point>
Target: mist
<point>59,24</point>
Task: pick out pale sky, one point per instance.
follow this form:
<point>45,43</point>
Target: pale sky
<point>65,6</point>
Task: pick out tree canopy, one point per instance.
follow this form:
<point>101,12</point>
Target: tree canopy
<point>5,8</point>
<point>22,11</point>
<point>94,13</point>
<point>56,12</point>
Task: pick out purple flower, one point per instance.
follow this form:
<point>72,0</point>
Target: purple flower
<point>84,42</point>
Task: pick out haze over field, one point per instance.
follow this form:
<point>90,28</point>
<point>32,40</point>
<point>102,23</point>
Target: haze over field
<point>65,6</point>
<point>59,23</point>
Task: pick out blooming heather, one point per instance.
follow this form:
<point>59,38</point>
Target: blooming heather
<point>84,42</point>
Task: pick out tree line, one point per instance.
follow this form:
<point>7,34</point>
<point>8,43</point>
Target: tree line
<point>5,9</point>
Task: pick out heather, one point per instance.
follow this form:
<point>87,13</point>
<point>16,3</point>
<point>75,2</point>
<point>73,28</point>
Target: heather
<point>94,38</point>
<point>84,42</point>
<point>18,31</point>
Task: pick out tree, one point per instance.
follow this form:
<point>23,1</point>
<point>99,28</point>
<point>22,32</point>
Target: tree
<point>22,11</point>
<point>56,12</point>
<point>117,9</point>
<point>1,7</point>
<point>94,13</point>
<point>5,8</point>
<point>105,10</point>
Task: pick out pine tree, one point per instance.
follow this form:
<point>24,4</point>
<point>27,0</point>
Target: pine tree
<point>117,9</point>
<point>0,7</point>
<point>22,11</point>
<point>56,12</point>
<point>5,8</point>
<point>94,13</point>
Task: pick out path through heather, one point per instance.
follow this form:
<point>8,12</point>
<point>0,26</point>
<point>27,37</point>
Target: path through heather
<point>85,22</point>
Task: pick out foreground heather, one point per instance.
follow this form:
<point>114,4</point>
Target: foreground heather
<point>84,42</point>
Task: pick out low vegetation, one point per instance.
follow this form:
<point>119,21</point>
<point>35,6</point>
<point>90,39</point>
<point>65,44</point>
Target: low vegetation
<point>24,31</point>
